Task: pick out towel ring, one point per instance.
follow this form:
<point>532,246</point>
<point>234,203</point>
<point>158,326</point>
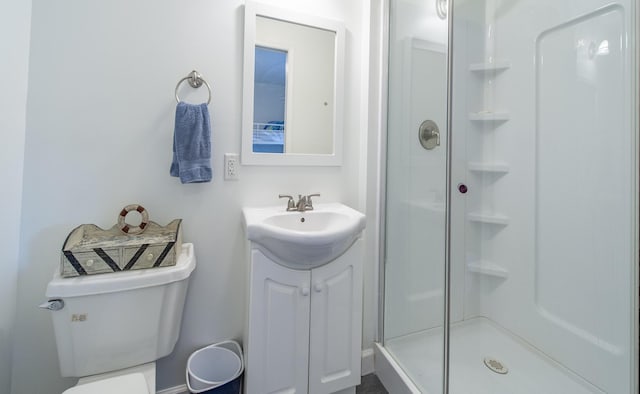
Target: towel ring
<point>195,80</point>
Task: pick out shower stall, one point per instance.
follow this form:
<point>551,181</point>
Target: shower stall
<point>511,207</point>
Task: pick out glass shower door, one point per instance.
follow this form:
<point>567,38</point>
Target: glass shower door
<point>543,196</point>
<point>416,190</point>
<point>544,137</point>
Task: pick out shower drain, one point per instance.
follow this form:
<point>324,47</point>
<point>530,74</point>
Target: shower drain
<point>495,365</point>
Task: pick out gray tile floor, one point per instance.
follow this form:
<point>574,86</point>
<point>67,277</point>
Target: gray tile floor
<point>371,385</point>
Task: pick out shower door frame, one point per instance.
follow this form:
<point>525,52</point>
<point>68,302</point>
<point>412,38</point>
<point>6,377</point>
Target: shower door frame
<point>383,133</point>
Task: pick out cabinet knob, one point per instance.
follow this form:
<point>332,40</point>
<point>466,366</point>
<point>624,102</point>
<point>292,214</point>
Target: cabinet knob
<point>89,262</point>
<point>304,291</point>
<point>318,287</point>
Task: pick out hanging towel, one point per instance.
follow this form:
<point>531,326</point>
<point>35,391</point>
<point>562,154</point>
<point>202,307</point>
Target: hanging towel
<point>192,144</point>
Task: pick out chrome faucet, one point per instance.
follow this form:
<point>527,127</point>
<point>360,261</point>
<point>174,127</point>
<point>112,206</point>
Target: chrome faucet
<point>301,205</point>
<point>304,202</point>
<point>291,205</point>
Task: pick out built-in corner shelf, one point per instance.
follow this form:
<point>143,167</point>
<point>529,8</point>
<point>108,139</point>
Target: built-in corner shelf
<point>488,116</point>
<point>497,66</point>
<point>497,168</point>
<point>488,218</point>
<point>487,268</point>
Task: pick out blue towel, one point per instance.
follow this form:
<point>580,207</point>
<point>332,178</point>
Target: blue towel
<point>192,144</point>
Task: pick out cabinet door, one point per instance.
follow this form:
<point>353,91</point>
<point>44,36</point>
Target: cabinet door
<point>336,323</point>
<point>278,338</point>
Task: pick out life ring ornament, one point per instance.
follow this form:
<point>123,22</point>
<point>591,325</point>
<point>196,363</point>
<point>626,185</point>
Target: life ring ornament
<point>129,229</point>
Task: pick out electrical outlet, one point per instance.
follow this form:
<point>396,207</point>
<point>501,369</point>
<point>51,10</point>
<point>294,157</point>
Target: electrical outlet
<point>231,166</point>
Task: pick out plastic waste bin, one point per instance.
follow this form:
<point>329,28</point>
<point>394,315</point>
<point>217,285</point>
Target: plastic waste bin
<point>216,369</point>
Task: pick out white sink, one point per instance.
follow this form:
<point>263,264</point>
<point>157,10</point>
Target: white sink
<point>303,240</point>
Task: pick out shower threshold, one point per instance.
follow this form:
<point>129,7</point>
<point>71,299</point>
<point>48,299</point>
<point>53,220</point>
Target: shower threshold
<point>418,357</point>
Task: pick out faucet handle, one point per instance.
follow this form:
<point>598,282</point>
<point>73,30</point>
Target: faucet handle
<point>309,202</point>
<point>291,205</point>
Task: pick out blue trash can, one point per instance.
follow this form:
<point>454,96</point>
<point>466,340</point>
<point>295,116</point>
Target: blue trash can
<point>216,369</point>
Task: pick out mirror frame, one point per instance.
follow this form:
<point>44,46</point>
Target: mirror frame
<point>248,157</point>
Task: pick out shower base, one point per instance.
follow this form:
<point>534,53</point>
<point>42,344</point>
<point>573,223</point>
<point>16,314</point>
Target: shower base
<point>417,357</point>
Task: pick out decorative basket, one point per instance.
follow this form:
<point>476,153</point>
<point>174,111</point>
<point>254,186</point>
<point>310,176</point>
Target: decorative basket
<point>90,250</point>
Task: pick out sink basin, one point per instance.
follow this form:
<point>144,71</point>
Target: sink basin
<point>303,240</point>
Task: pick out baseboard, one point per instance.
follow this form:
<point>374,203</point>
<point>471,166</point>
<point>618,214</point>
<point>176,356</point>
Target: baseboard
<point>368,367</point>
<point>182,389</point>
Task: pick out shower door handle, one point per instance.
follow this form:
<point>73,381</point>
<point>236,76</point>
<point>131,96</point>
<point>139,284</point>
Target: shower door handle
<point>429,134</point>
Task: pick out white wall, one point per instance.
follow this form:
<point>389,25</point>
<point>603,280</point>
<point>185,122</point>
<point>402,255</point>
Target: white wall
<point>99,132</point>
<point>15,16</point>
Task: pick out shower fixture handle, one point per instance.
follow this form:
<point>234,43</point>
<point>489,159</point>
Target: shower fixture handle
<point>429,134</point>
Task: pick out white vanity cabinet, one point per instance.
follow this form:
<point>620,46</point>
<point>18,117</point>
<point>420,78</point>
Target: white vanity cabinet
<point>304,326</point>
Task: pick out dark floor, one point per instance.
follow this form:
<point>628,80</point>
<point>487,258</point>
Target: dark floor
<point>371,385</point>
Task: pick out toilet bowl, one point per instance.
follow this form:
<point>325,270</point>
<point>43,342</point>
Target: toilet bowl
<point>133,383</point>
<point>140,379</point>
<point>111,328</point>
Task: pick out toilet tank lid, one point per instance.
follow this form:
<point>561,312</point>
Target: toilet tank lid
<point>125,384</point>
<point>122,281</point>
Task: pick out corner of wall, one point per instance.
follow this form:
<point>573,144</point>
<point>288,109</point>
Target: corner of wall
<point>15,25</point>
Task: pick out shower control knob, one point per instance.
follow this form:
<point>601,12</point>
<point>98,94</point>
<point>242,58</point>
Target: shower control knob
<point>462,188</point>
<point>429,134</point>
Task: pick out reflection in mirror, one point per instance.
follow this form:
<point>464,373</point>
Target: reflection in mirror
<point>293,77</point>
<point>308,54</point>
<point>269,98</point>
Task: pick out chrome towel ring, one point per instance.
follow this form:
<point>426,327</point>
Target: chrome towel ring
<point>195,80</point>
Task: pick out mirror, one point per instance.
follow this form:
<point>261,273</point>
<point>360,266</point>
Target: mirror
<point>292,93</point>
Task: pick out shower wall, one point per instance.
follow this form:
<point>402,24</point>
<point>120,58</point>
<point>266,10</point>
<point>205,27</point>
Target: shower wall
<point>544,139</point>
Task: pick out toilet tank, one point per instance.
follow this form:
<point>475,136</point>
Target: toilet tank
<point>119,320</point>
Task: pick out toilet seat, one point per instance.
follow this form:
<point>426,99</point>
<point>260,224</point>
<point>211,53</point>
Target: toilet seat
<point>133,383</point>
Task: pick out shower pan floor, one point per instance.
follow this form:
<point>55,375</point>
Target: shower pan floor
<point>472,341</point>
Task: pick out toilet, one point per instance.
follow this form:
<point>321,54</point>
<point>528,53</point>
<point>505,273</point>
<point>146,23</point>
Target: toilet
<point>111,328</point>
